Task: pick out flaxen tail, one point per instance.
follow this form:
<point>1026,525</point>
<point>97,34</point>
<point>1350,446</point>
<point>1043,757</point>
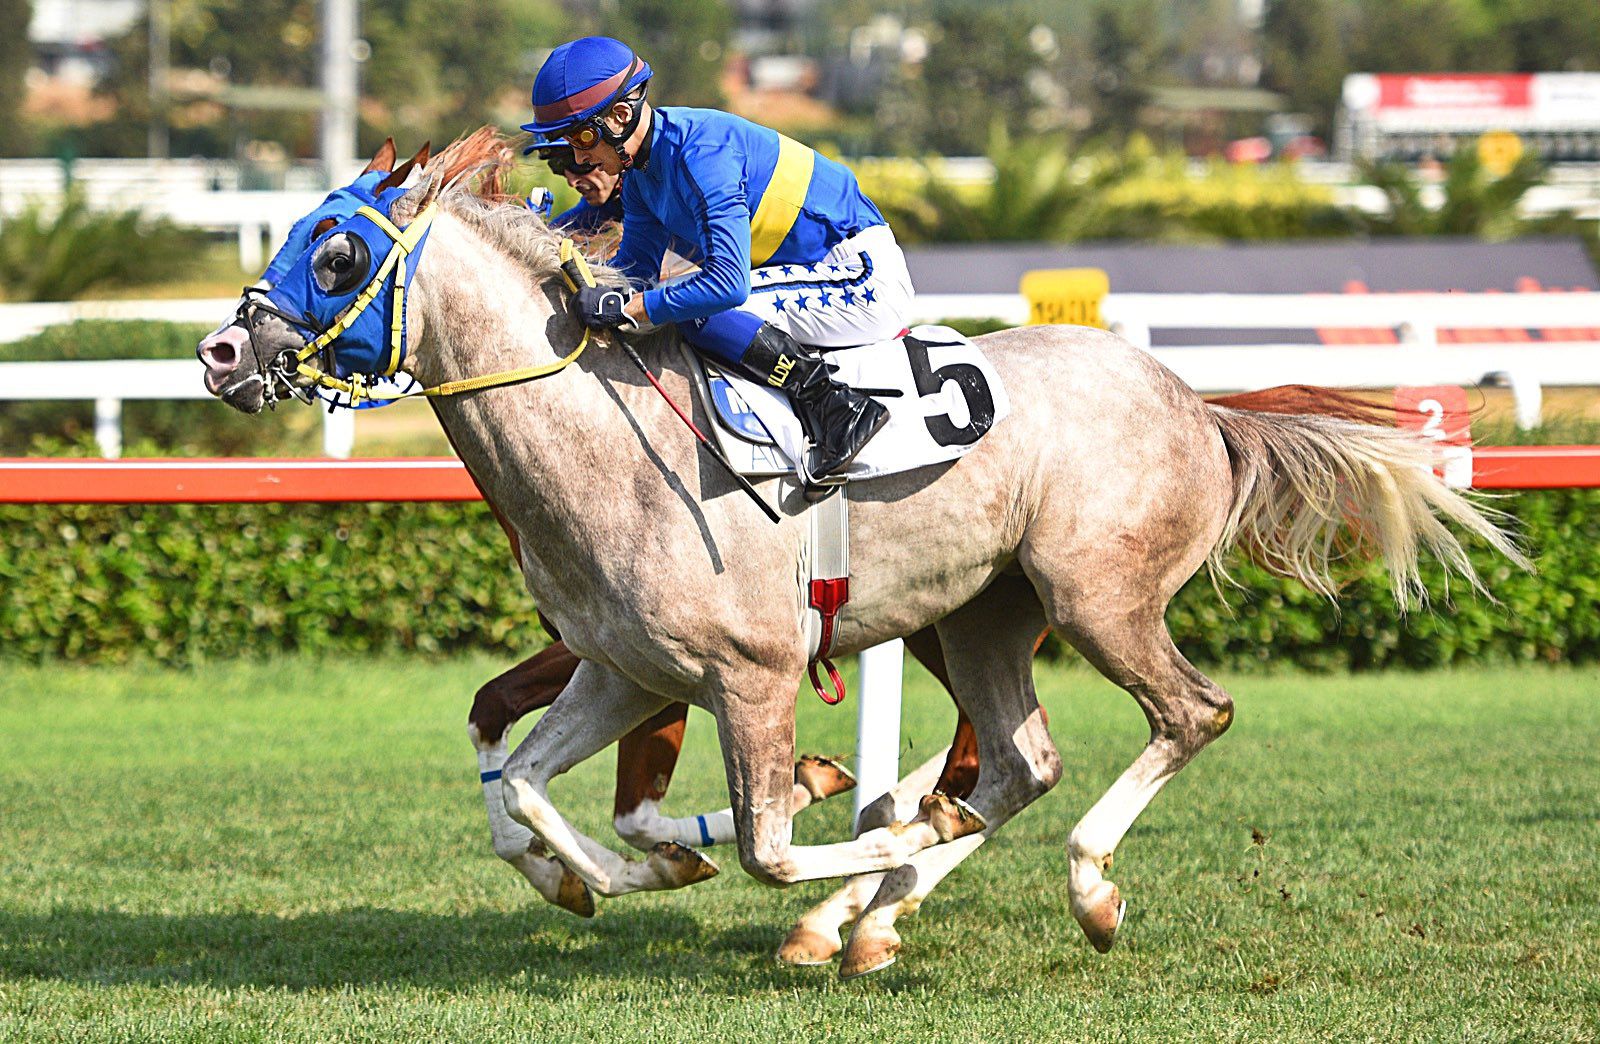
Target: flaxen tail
<point>1324,483</point>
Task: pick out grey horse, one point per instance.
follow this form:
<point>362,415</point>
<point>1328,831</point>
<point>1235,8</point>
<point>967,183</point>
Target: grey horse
<point>1107,487</point>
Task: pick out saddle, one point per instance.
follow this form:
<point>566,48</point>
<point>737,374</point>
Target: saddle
<point>943,396</point>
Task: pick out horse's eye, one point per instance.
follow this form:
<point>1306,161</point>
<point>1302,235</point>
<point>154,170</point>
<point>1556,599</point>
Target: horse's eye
<point>341,263</point>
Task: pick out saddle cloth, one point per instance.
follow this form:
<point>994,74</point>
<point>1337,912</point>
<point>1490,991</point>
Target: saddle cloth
<point>943,395</point>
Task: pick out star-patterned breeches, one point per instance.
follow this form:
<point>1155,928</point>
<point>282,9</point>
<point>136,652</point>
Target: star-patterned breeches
<point>858,294</point>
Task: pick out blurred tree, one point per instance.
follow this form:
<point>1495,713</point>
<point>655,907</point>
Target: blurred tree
<point>1549,35</point>
<point>1425,36</point>
<point>1126,42</point>
<point>266,43</point>
<point>986,64</point>
<point>685,42</point>
<point>438,67</point>
<point>1304,56</point>
<point>15,56</point>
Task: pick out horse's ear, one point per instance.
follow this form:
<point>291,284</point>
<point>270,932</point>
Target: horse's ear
<point>383,159</point>
<point>398,176</point>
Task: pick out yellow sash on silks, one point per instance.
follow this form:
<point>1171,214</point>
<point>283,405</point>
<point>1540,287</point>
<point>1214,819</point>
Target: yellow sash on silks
<point>781,203</point>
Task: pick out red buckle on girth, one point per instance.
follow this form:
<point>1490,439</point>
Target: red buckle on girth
<point>827,598</point>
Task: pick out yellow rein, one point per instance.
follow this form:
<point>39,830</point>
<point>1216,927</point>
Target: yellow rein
<point>357,387</point>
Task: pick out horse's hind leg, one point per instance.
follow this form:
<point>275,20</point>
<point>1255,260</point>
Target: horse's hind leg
<point>989,646</point>
<point>1186,711</point>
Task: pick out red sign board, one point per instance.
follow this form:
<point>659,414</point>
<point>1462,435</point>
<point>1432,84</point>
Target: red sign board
<point>1457,91</point>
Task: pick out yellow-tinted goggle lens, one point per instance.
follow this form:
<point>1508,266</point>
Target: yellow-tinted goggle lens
<point>584,137</point>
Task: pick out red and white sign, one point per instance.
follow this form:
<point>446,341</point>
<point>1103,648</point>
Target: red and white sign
<point>1454,92</point>
<point>1518,100</point>
<point>1439,412</point>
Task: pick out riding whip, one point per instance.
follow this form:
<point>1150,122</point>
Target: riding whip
<point>576,272</point>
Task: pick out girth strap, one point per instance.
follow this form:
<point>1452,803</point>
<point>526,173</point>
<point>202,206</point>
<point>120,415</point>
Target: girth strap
<point>829,589</point>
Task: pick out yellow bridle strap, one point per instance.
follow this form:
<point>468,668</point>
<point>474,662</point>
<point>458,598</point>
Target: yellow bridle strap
<point>357,387</point>
<point>359,391</point>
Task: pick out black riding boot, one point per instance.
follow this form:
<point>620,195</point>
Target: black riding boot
<point>837,419</point>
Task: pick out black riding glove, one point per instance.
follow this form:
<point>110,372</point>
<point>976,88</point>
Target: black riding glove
<point>600,307</point>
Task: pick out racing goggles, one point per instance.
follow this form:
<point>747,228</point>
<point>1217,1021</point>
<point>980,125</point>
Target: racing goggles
<point>562,162</point>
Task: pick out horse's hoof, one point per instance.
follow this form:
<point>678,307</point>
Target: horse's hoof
<point>871,948</point>
<point>822,777</point>
<point>949,816</point>
<point>573,895</point>
<point>679,865</point>
<point>805,947</point>
<point>1101,915</point>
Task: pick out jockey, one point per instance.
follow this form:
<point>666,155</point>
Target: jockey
<point>791,253</point>
<point>601,202</point>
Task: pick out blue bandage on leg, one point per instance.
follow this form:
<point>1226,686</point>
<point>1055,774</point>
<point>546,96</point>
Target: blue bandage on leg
<point>723,336</point>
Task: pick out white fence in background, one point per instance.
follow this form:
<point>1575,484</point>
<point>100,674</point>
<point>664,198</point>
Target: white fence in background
<point>1526,367</point>
<point>110,383</point>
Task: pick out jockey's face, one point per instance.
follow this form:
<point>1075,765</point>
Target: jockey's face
<point>595,186</point>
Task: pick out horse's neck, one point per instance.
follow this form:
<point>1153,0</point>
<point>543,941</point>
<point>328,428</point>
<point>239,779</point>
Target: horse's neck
<point>552,453</point>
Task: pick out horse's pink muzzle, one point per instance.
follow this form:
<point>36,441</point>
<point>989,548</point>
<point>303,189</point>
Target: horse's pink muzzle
<point>220,352</point>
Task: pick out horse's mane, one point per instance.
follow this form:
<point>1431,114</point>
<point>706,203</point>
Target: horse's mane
<point>468,180</point>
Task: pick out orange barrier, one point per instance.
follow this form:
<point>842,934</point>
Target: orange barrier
<point>232,480</point>
<point>49,480</point>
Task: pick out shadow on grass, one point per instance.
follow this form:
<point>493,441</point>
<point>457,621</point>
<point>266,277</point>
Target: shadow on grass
<point>369,946</point>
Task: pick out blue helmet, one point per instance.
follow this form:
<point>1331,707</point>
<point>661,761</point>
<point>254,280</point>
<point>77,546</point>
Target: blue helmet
<point>579,82</point>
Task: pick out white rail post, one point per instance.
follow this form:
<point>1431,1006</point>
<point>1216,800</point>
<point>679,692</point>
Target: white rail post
<point>108,426</point>
<point>250,256</point>
<point>338,433</point>
<point>878,722</point>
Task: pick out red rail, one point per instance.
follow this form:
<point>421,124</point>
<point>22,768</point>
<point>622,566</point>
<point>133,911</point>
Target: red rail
<point>40,480</point>
<point>231,480</point>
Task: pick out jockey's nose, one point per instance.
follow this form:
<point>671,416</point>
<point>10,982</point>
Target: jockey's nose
<point>220,352</point>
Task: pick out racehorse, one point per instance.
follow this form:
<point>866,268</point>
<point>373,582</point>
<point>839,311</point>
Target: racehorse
<point>646,756</point>
<point>1108,486</point>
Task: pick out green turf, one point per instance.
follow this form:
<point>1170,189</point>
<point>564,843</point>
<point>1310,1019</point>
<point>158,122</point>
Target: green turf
<point>298,852</point>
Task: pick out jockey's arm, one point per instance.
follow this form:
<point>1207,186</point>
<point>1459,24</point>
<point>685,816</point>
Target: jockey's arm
<point>644,244</point>
<point>716,195</point>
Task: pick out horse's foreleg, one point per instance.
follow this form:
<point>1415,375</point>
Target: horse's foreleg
<point>815,937</point>
<point>989,646</point>
<point>594,710</point>
<point>755,723</point>
<point>1186,711</point>
<point>532,684</point>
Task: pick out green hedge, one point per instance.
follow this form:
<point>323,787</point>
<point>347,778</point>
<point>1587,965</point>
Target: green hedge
<point>181,584</point>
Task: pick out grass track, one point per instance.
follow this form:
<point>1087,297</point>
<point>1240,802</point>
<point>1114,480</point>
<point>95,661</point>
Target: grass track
<point>297,851</point>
